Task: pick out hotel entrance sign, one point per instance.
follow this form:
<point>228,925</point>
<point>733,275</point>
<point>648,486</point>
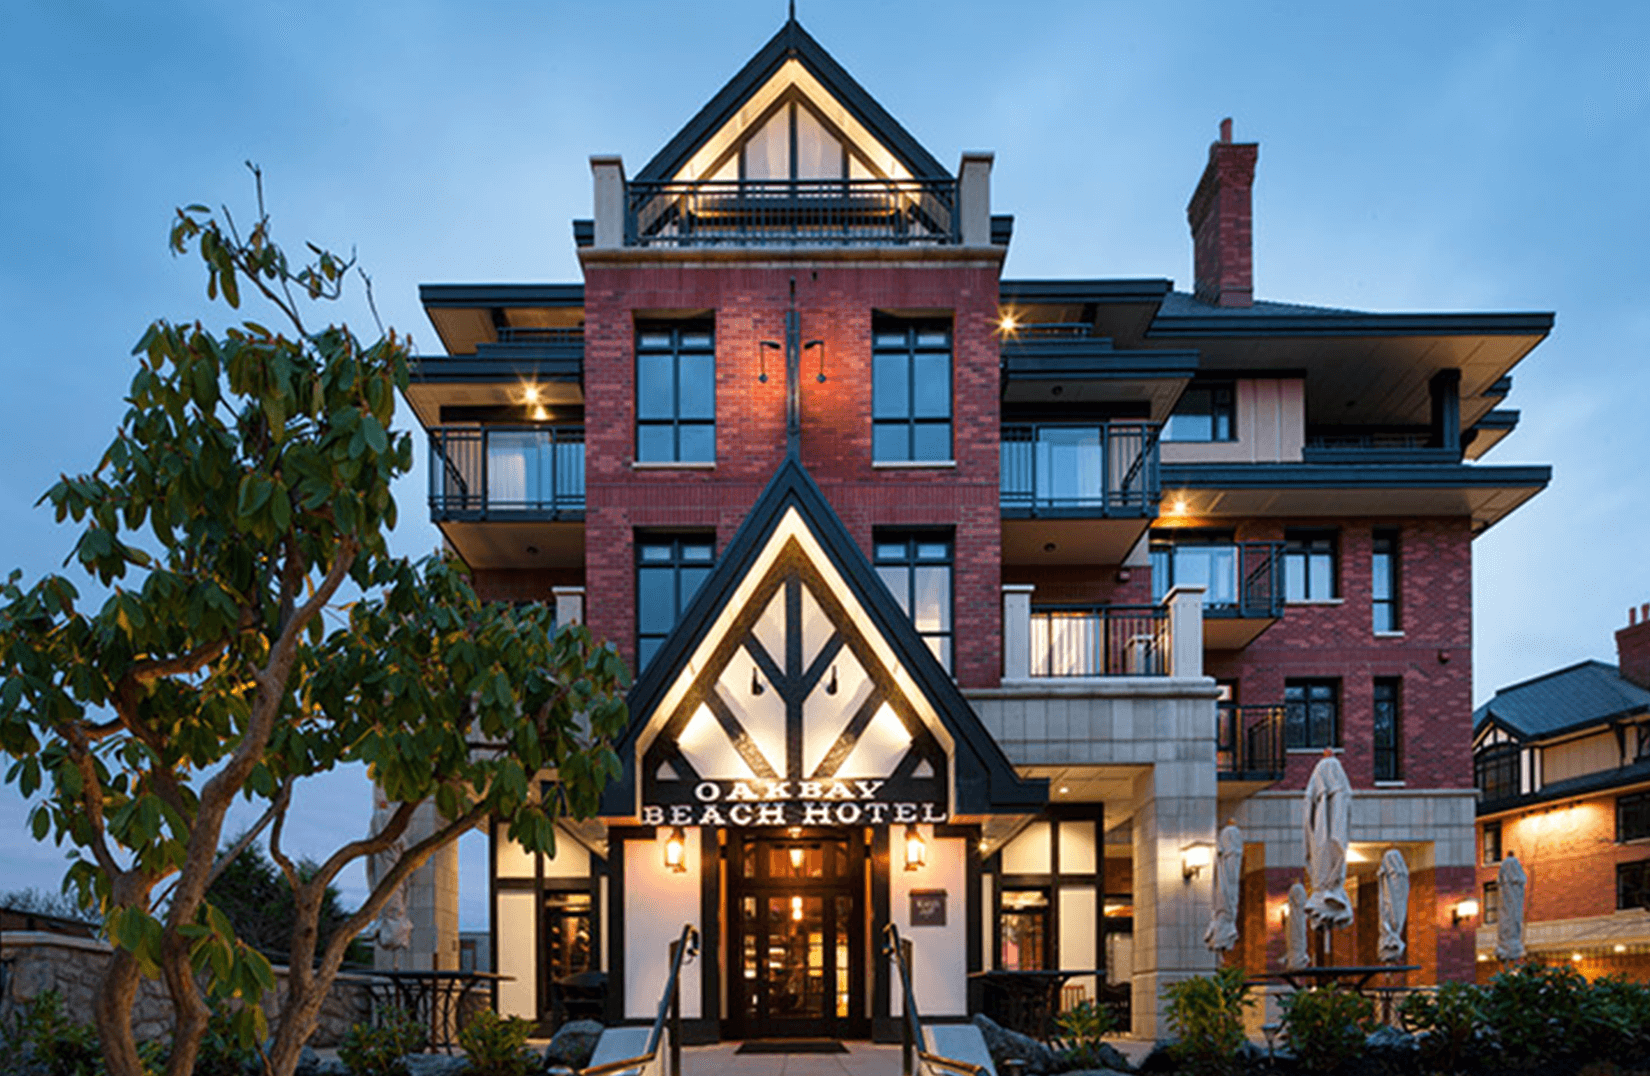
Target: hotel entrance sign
<point>795,803</point>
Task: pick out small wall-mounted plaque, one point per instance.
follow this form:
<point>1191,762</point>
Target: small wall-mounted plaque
<point>928,907</point>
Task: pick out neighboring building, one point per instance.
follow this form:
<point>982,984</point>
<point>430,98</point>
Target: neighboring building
<point>1562,764</point>
<point>1046,575</point>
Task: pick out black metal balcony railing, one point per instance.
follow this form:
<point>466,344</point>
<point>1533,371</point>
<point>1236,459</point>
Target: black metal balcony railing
<point>534,334</point>
<point>1249,741</point>
<point>1242,579</point>
<point>803,212</point>
<point>1100,640</point>
<point>1104,469</point>
<point>490,472</point>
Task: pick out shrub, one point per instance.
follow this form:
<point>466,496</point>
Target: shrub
<point>1446,1021</point>
<point>41,1038</point>
<point>1206,1015</point>
<point>1617,1015</point>
<point>497,1046</point>
<point>1326,1026</point>
<point>1537,1013</point>
<point>1081,1028</point>
<point>377,1051</point>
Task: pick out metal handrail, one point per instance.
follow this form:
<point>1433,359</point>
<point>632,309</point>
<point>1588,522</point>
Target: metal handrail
<point>682,950</point>
<point>548,478</point>
<point>911,1046</point>
<point>790,212</point>
<point>1249,739</point>
<point>1100,640</point>
<point>1115,475</point>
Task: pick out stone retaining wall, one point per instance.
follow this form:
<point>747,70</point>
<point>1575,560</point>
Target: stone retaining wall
<point>36,962</point>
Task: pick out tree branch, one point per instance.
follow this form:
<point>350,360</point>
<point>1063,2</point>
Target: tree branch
<point>277,810</point>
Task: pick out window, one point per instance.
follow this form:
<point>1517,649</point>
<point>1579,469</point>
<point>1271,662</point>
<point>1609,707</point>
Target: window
<point>669,571</point>
<point>910,391</point>
<point>916,569</point>
<point>1384,581</point>
<point>1309,566</point>
<point>1495,772</point>
<point>675,394</point>
<point>1633,817</point>
<point>1195,558</point>
<point>1388,730</point>
<point>1312,713</point>
<point>792,143</point>
<point>1633,885</point>
<point>1023,930</point>
<point>1204,413</point>
<point>1492,843</point>
<point>1492,902</point>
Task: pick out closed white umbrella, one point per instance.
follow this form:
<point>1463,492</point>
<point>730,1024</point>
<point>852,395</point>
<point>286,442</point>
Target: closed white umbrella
<point>1509,925</point>
<point>1328,829</point>
<point>1393,880</point>
<point>1295,955</point>
<point>1222,933</point>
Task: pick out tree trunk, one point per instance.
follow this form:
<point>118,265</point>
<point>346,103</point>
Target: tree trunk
<point>192,1014</point>
<point>113,1015</point>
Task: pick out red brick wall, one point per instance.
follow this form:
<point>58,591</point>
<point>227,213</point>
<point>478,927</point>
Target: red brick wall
<point>523,585</point>
<point>836,304</point>
<point>1433,657</point>
<point>1570,855</point>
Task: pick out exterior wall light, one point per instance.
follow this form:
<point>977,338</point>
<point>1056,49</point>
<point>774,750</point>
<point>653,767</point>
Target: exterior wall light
<point>676,851</point>
<point>916,849</point>
<point>1194,857</point>
<point>1465,909</point>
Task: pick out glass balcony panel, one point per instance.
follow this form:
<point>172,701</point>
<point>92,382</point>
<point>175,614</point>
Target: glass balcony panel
<point>1068,466</point>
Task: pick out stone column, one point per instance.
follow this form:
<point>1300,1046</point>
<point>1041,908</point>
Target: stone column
<point>1185,630</point>
<point>974,199</point>
<point>1174,805</point>
<point>608,175</point>
<point>432,905</point>
<point>1017,631</point>
<point>569,604</point>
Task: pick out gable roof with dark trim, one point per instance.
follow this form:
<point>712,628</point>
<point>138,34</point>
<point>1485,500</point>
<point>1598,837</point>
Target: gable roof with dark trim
<point>1565,700</point>
<point>986,782</point>
<point>792,42</point>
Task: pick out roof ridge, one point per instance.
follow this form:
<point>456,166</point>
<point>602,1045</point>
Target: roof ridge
<point>1549,675</point>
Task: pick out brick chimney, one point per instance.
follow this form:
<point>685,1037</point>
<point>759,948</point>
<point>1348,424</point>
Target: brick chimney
<point>1633,646</point>
<point>1222,221</point>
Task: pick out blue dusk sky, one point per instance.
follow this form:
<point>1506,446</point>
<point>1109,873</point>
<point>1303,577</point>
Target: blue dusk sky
<point>1414,157</point>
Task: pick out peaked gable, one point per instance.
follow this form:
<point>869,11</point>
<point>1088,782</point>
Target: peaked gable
<point>793,673</point>
<point>791,63</point>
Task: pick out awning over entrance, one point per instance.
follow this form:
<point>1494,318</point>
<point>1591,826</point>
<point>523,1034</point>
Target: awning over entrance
<point>795,692</point>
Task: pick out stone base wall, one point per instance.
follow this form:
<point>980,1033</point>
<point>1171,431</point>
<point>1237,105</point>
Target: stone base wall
<point>36,962</point>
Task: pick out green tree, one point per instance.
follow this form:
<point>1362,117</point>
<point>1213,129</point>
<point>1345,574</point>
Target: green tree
<point>245,496</point>
<point>258,902</point>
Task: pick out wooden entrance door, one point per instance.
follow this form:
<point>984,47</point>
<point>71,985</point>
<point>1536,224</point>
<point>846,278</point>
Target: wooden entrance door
<point>796,936</point>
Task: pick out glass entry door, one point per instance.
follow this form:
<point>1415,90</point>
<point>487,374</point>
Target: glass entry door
<point>797,936</point>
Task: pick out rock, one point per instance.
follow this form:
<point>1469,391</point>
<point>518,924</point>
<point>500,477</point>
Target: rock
<point>331,1066</point>
<point>572,1045</point>
<point>1161,1059</point>
<point>1005,1044</point>
<point>435,1064</point>
<point>1389,1042</point>
<point>1098,1058</point>
<point>309,1063</point>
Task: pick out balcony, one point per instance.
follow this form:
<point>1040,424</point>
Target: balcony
<point>1100,640</point>
<point>1092,487</point>
<point>792,213</point>
<point>1249,743</point>
<point>1243,583</point>
<point>512,473</point>
<point>1392,447</point>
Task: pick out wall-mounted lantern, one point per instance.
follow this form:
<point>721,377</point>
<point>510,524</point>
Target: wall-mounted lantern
<point>1465,909</point>
<point>1194,857</point>
<point>676,851</point>
<point>916,849</point>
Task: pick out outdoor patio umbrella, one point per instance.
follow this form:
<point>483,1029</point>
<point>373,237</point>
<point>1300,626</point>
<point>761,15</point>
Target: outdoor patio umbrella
<point>1328,828</point>
<point>1509,925</point>
<point>394,930</point>
<point>1393,881</point>
<point>1222,933</point>
<point>1295,956</point>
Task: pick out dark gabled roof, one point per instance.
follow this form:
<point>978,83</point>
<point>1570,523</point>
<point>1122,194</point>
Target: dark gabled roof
<point>1185,315</point>
<point>1566,700</point>
<point>985,779</point>
<point>791,42</point>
